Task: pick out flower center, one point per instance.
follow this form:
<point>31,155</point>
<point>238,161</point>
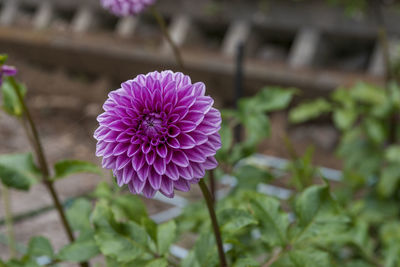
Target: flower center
<point>152,125</point>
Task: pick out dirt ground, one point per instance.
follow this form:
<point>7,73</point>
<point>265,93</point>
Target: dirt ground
<point>65,105</point>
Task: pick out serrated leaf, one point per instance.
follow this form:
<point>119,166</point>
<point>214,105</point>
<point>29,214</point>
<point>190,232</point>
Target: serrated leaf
<point>309,203</point>
<point>273,222</point>
<point>79,251</point>
<point>68,167</point>
<point>78,214</point>
<point>18,171</point>
<point>40,246</point>
<point>114,245</point>
<point>206,250</point>
<point>166,234</point>
<point>234,220</point>
<point>368,93</point>
<point>157,263</point>
<point>128,207</point>
<point>309,110</point>
<point>250,176</point>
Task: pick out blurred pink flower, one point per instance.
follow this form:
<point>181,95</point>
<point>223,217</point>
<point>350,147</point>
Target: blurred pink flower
<point>159,132</point>
<point>7,71</point>
<point>126,7</point>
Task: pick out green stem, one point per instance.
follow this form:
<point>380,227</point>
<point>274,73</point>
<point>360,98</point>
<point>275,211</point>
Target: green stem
<point>212,186</point>
<point>163,25</point>
<point>33,136</point>
<point>213,217</point>
<point>9,221</point>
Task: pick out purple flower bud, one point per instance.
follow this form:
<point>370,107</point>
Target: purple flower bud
<point>126,7</point>
<point>7,71</point>
<point>159,132</point>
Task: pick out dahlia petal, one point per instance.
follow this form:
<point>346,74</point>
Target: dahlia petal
<point>148,191</point>
<point>210,163</point>
<point>138,185</point>
<point>184,91</point>
<point>122,161</point>
<point>132,150</point>
<point>110,136</point>
<point>162,150</point>
<point>199,89</point>
<point>180,158</point>
<point>198,137</point>
<point>138,161</point>
<point>207,149</point>
<point>215,141</point>
<point>167,186</point>
<point>132,188</point>
<point>123,137</point>
<point>172,172</point>
<point>195,116</point>
<point>154,179</point>
<point>213,117</point>
<point>159,165</point>
<point>127,174</point>
<point>173,143</point>
<point>182,185</point>
<point>186,173</point>
<point>186,141</point>
<point>117,126</point>
<point>181,111</point>
<point>120,149</point>
<point>208,128</point>
<point>195,155</point>
<point>198,171</point>
<point>187,101</point>
<point>146,147</point>
<point>143,172</point>
<point>108,163</point>
<point>150,157</point>
<point>109,150</point>
<point>173,131</point>
<point>186,126</point>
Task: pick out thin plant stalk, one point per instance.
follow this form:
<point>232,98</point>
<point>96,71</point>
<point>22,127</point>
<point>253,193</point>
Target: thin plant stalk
<point>214,222</point>
<point>163,26</point>
<point>33,136</point>
<point>9,221</point>
<point>211,178</point>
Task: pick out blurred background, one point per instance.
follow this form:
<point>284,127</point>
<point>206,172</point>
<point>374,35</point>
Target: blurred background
<point>70,54</point>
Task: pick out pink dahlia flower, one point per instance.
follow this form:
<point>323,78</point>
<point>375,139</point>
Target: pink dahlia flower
<point>7,71</point>
<point>159,132</point>
<point>126,7</point>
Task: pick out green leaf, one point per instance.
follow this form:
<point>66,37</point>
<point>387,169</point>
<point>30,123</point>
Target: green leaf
<point>234,220</point>
<point>79,251</point>
<point>151,228</point>
<point>166,234</point>
<point>389,180</point>
<point>344,118</point>
<point>250,176</point>
<point>309,110</point>
<point>392,153</point>
<point>157,263</point>
<point>68,167</point>
<point>103,190</point>
<point>206,250</point>
<point>368,93</point>
<point>246,262</point>
<point>375,130</point>
<point>273,222</point>
<point>114,245</point>
<point>274,98</point>
<point>11,103</point>
<point>18,171</point>
<point>309,257</point>
<point>39,246</point>
<point>309,203</point>
<point>78,214</point>
<point>128,207</point>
